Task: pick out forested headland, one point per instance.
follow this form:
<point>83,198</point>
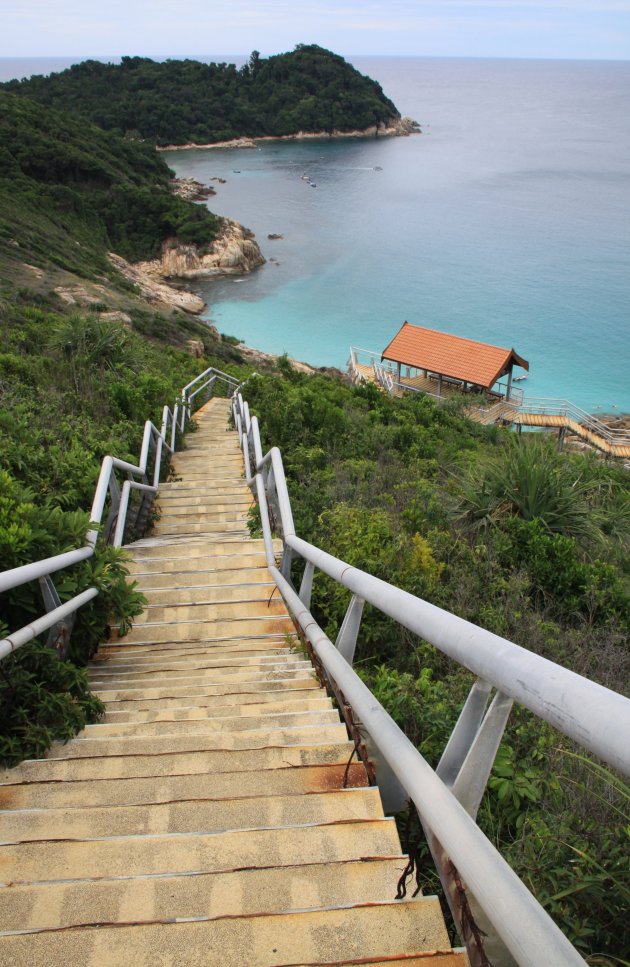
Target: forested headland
<point>181,101</point>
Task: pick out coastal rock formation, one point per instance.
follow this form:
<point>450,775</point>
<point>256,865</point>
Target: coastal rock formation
<point>157,293</point>
<point>191,190</point>
<point>234,252</point>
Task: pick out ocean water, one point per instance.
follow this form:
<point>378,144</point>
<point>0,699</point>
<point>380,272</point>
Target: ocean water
<point>507,221</point>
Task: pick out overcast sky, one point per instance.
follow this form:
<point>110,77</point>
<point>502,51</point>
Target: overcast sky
<point>465,28</point>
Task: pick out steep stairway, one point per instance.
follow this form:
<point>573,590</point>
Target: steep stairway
<point>205,819</point>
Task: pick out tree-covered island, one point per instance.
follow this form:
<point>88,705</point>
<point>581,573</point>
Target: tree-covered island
<point>183,101</point>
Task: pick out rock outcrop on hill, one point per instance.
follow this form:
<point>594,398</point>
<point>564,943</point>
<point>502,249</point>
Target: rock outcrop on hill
<point>234,252</point>
<point>157,293</point>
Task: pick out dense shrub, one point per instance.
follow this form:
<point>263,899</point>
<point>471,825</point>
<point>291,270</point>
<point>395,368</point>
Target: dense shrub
<point>511,535</point>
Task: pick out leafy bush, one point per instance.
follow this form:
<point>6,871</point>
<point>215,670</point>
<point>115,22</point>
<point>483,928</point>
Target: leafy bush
<point>505,533</point>
<point>42,700</point>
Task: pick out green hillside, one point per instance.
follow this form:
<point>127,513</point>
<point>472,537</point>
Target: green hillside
<point>69,192</point>
<point>179,101</point>
<point>78,378</point>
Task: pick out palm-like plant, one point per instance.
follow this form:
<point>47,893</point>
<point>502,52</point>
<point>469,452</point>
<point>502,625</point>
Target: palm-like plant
<point>529,479</point>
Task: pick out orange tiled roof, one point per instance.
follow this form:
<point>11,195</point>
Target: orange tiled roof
<point>454,356</point>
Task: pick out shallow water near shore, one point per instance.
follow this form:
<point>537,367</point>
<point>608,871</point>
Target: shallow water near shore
<point>505,221</point>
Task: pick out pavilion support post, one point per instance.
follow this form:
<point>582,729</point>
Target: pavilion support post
<point>509,383</point>
<point>439,384</point>
<point>398,371</point>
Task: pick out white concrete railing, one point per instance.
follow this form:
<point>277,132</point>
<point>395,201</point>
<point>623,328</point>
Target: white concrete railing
<point>446,799</point>
<point>161,442</point>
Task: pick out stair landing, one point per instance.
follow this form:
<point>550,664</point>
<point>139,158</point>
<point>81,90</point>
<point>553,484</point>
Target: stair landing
<point>205,819</point>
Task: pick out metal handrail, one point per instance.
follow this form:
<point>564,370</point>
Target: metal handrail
<point>187,397</point>
<point>107,485</point>
<point>560,407</point>
<point>447,799</point>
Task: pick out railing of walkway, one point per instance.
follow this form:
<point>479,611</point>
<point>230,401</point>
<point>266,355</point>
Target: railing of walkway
<point>558,407</point>
<point>112,500</point>
<point>511,924</point>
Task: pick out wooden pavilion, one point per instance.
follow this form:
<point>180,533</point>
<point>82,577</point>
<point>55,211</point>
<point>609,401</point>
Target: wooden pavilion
<point>438,362</point>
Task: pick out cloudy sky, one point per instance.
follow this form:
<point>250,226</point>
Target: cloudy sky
<point>469,28</point>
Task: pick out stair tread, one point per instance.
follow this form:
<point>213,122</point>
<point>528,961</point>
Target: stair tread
<point>268,940</point>
<point>199,894</point>
<point>188,816</point>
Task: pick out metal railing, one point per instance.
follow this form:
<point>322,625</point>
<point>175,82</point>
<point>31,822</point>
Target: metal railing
<point>617,436</point>
<point>112,501</point>
<point>515,927</point>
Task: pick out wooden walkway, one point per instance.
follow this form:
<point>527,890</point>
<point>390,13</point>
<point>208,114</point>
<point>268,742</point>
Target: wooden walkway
<point>205,820</point>
<point>505,412</point>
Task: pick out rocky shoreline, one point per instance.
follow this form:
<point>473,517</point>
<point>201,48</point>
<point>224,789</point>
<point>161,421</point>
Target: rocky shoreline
<point>398,128</point>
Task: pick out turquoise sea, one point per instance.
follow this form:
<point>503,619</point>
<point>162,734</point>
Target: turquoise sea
<point>507,220</point>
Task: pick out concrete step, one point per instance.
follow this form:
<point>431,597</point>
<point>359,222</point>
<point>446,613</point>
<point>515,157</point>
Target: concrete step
<point>250,604</point>
<point>211,740</point>
<point>173,763</point>
<point>228,627</point>
<point>208,528</point>
<point>208,512</point>
<point>303,886</point>
<point>268,703</point>
<point>209,508</point>
<point>123,665</point>
<point>155,589</point>
<point>186,676</point>
<point>312,937</point>
<point>213,648</point>
<point>180,852</point>
<point>231,652</point>
<point>237,723</point>
<point>127,693</point>
<point>200,682</point>
<point>189,816</point>
<point>149,571</point>
<point>298,780</point>
<point>214,698</point>
<point>175,489</point>
<point>189,557</point>
<point>202,460</point>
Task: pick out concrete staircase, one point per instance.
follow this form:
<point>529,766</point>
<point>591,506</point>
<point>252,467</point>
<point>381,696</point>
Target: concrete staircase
<point>205,821</point>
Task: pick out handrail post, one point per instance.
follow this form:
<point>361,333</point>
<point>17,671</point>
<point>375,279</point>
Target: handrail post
<point>174,426</point>
<point>306,587</point>
<point>348,633</point>
<point>122,514</point>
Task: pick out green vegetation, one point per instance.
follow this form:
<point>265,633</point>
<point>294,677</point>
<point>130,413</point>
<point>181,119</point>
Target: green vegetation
<point>70,192</point>
<point>74,388</point>
<point>175,102</point>
<point>508,534</point>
